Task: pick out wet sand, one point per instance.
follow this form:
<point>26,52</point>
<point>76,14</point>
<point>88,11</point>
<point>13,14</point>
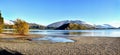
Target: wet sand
<point>81,46</point>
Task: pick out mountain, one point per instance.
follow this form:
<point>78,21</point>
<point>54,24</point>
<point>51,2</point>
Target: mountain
<point>63,27</point>
<point>36,26</point>
<point>104,26</point>
<point>66,24</point>
<point>60,23</point>
<point>73,26</point>
<point>8,22</point>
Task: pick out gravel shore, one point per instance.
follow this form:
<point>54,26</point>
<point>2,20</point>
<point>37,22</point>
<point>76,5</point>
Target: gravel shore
<point>81,46</point>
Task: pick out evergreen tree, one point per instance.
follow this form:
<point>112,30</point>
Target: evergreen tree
<point>1,22</point>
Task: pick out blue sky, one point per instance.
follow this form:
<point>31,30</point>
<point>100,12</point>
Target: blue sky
<point>48,11</point>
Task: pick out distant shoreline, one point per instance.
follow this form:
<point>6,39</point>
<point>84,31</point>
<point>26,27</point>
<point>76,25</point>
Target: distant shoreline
<point>11,35</point>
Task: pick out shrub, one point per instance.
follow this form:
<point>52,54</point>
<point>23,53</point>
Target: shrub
<point>21,27</point>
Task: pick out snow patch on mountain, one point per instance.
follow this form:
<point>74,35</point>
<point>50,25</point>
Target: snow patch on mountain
<point>104,26</point>
<point>58,24</point>
<point>8,22</point>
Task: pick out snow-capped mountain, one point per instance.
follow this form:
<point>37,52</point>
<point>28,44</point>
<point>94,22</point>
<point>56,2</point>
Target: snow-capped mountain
<point>8,22</point>
<point>60,23</point>
<point>104,26</point>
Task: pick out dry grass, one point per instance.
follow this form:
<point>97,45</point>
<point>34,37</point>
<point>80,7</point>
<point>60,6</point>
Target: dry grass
<point>82,46</point>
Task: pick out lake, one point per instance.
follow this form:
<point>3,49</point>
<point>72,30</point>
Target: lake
<point>62,35</point>
<point>85,33</point>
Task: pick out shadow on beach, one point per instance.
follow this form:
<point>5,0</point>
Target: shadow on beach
<point>9,52</point>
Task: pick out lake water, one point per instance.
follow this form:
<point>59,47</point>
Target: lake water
<point>87,33</point>
<point>62,35</point>
<point>53,39</point>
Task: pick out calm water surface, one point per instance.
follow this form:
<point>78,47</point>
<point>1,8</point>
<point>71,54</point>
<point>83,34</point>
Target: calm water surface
<point>94,33</point>
<point>62,35</point>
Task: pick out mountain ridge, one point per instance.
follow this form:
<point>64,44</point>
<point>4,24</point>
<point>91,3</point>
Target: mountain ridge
<point>60,23</point>
<point>89,25</point>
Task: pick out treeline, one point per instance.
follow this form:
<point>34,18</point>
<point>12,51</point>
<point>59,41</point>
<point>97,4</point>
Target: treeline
<point>20,26</point>
<point>36,26</point>
<point>73,26</point>
<point>1,22</point>
<point>31,26</point>
<point>6,26</point>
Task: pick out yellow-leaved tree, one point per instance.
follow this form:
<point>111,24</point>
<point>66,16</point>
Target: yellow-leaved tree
<point>21,27</point>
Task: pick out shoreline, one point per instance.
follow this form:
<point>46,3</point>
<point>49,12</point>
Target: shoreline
<point>10,35</point>
<point>81,46</point>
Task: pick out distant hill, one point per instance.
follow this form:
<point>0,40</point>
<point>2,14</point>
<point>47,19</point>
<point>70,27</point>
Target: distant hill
<point>108,26</point>
<point>63,25</point>
<point>57,25</point>
<point>36,26</point>
<point>73,26</point>
<point>8,24</point>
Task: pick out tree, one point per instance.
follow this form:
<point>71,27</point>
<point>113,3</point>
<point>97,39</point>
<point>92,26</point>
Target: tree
<point>74,26</point>
<point>1,22</point>
<point>21,27</point>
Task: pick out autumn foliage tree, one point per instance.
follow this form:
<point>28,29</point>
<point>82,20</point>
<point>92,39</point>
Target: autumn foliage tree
<point>1,23</point>
<point>73,26</point>
<point>21,27</point>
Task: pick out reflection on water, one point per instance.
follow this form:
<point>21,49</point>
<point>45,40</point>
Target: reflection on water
<point>62,35</point>
<point>53,39</point>
<point>100,33</point>
<point>105,32</point>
